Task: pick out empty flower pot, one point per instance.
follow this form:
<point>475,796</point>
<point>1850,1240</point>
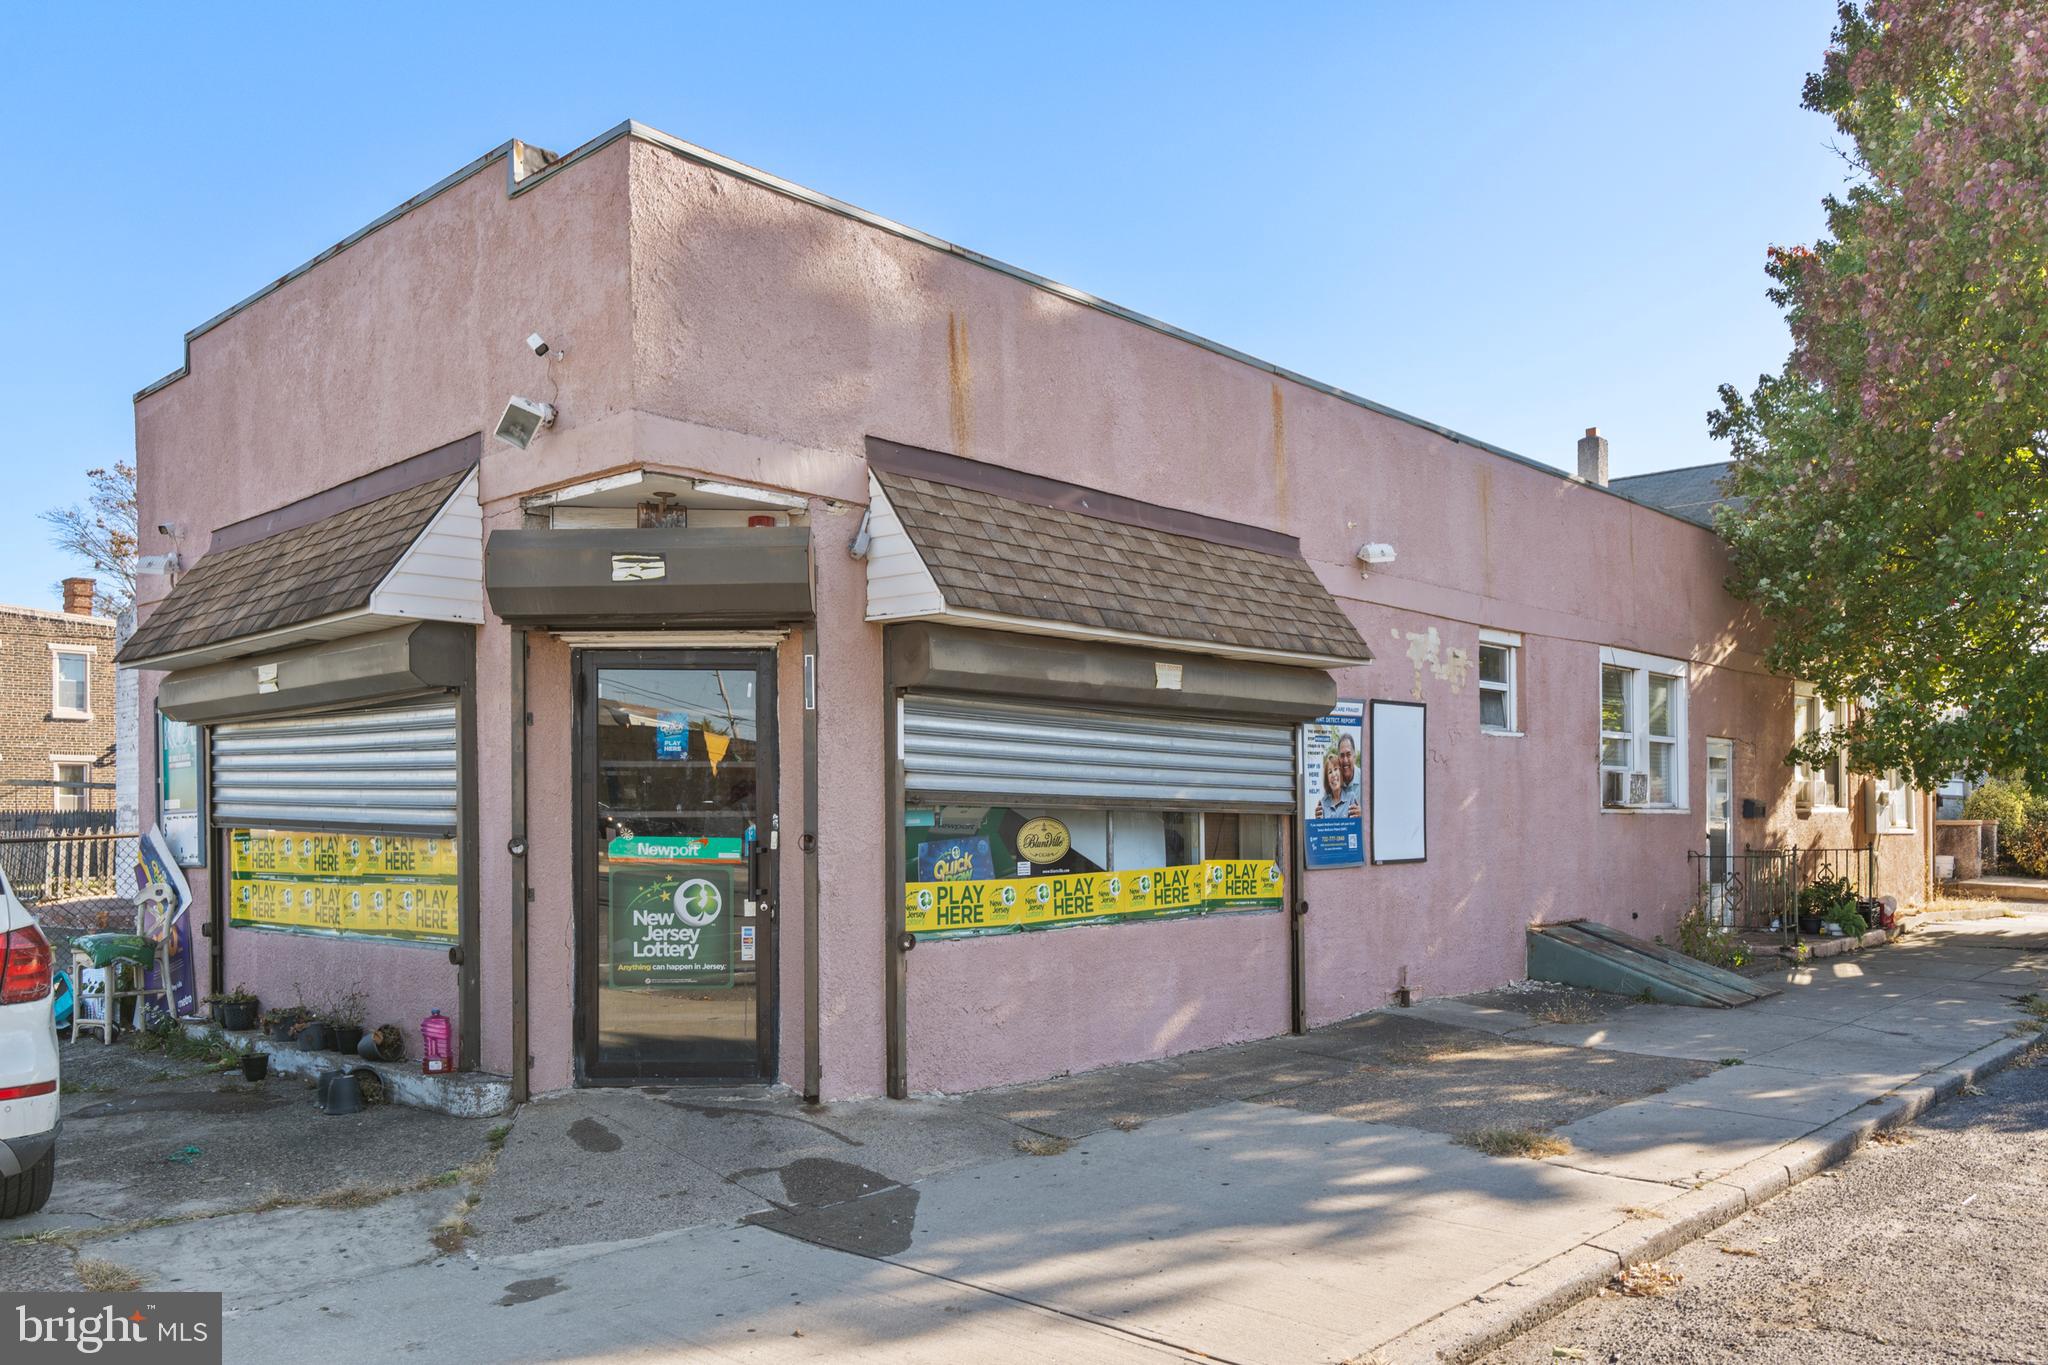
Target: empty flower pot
<point>341,1093</point>
<point>255,1065</point>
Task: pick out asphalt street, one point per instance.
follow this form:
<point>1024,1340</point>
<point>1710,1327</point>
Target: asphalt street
<point>1930,1247</point>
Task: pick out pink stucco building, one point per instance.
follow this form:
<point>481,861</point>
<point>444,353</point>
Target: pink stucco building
<point>887,670</point>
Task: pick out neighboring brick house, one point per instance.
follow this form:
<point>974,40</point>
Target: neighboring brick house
<point>56,706</point>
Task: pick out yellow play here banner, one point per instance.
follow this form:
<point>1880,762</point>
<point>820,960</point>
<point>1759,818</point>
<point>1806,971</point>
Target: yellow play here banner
<point>1004,904</point>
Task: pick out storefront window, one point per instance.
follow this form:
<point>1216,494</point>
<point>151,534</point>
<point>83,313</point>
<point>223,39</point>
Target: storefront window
<point>984,869</point>
<point>1231,835</point>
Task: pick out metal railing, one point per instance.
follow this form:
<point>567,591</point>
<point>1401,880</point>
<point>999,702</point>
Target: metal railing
<point>1758,890</point>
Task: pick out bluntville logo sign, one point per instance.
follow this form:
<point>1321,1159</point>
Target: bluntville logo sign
<point>168,1329</point>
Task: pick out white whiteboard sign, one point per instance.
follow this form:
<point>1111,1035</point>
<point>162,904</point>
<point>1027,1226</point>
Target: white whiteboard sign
<point>1400,787</point>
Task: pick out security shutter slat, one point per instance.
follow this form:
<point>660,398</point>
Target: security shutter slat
<point>954,746</point>
<point>395,768</point>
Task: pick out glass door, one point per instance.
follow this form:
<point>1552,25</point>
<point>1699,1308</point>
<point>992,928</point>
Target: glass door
<point>675,821</point>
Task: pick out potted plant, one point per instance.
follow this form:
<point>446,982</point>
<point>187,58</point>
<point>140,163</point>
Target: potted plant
<point>255,1065</point>
<point>312,1035</point>
<point>1847,921</point>
<point>384,1044</point>
<point>235,1010</point>
<point>282,1022</point>
<point>345,1021</point>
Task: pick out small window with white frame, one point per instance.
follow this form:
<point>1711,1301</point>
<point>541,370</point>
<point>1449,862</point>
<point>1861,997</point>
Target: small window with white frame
<point>1500,659</point>
<point>71,682</point>
<point>1894,803</point>
<point>70,782</point>
<point>1643,705</point>
<point>1820,786</point>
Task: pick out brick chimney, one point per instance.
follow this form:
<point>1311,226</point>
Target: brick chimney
<point>1593,457</point>
<point>78,596</point>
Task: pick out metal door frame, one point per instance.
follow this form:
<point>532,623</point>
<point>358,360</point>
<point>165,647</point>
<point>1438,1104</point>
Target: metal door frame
<point>583,666</point>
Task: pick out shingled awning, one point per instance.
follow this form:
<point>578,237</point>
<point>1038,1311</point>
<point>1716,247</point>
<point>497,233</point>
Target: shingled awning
<point>415,554</point>
<point>971,544</point>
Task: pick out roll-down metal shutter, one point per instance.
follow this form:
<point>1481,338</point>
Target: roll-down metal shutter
<point>392,768</point>
<point>956,746</point>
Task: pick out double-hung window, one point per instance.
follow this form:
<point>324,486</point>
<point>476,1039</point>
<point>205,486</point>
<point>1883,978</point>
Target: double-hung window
<point>1821,785</point>
<point>71,779</point>
<point>71,682</point>
<point>1500,657</point>
<point>1642,731</point>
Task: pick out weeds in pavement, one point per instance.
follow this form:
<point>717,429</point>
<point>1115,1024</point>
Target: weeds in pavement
<point>2035,1003</point>
<point>451,1234</point>
<point>1565,1011</point>
<point>1126,1123</point>
<point>350,1196</point>
<point>85,1088</point>
<point>1042,1145</point>
<point>1645,996</point>
<point>496,1137</point>
<point>106,1277</point>
<point>165,1036</point>
<point>1891,1137</point>
<point>2026,1026</point>
<point>1526,1142</point>
<point>1644,1280</point>
<point>1731,1061</point>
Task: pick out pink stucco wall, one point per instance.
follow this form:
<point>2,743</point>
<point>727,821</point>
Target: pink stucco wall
<point>410,338</point>
<point>719,328</point>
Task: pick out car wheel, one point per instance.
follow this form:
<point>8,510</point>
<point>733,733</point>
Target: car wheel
<point>29,1191</point>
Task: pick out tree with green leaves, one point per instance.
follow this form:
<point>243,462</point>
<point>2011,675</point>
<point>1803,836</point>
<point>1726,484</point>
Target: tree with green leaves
<point>1889,501</point>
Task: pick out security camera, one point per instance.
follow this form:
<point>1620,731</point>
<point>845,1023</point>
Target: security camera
<point>524,419</point>
<point>537,343</point>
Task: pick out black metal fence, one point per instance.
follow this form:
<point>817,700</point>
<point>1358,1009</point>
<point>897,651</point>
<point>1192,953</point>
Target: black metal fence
<point>43,807</point>
<point>1758,889</point>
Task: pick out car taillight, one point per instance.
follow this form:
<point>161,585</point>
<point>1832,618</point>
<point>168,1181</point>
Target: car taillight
<point>24,966</point>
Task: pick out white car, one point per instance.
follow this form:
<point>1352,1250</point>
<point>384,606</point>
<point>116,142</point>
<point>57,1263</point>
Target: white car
<point>28,1061</point>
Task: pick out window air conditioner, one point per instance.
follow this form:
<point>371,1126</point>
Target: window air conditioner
<point>1636,790</point>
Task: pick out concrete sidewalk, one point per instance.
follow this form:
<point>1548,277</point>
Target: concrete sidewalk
<point>1294,1200</point>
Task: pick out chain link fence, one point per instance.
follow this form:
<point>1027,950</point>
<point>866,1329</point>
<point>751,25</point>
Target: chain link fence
<point>74,882</point>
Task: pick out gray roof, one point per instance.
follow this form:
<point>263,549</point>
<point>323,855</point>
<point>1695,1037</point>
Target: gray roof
<point>1011,554</point>
<point>1692,493</point>
<point>292,577</point>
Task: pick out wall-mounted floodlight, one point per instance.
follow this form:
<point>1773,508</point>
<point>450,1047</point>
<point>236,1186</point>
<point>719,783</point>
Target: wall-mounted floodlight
<point>524,419</point>
<point>1374,554</point>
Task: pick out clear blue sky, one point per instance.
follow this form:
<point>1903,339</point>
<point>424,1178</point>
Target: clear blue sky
<point>1515,220</point>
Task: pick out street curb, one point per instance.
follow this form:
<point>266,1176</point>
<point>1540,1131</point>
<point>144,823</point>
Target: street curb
<point>1540,1293</point>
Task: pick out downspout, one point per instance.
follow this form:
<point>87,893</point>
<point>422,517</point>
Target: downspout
<point>522,893</point>
<point>1297,914</point>
<point>897,943</point>
<point>813,1065</point>
<point>469,955</point>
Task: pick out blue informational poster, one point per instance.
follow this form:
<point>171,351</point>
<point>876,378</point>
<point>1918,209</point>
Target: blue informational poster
<point>955,860</point>
<point>156,868</point>
<point>672,735</point>
<point>1332,800</point>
